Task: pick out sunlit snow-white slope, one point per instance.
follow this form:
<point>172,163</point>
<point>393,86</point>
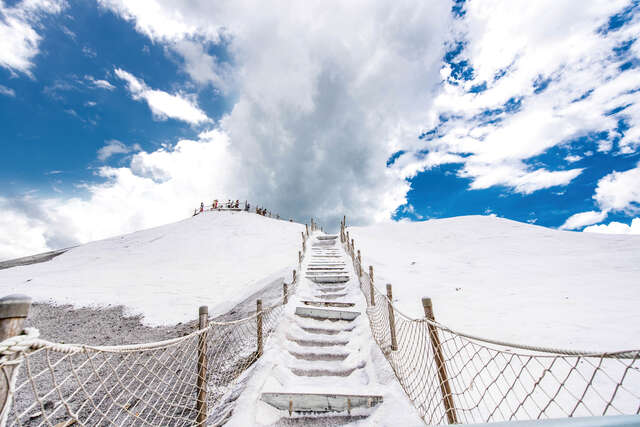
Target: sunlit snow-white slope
<point>512,281</point>
<point>165,273</point>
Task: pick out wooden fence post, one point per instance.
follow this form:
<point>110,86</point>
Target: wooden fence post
<point>392,319</point>
<point>353,247</point>
<point>445,388</point>
<point>359,264</point>
<point>299,258</point>
<point>201,402</point>
<point>259,326</point>
<point>294,276</point>
<point>13,312</point>
<point>371,288</point>
<point>285,293</point>
<point>306,227</point>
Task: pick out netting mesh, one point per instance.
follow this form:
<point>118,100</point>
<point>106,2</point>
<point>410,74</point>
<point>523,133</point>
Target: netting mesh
<point>453,377</point>
<point>148,384</point>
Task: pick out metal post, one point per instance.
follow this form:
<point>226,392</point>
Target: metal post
<point>392,319</point>
<point>359,264</point>
<point>371,288</point>
<point>259,325</point>
<point>13,313</point>
<point>445,388</point>
<point>201,402</point>
<point>285,293</point>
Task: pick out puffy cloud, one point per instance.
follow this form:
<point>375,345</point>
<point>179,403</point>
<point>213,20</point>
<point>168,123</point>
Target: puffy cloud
<point>155,188</point>
<point>619,191</point>
<point>616,228</point>
<point>19,40</point>
<point>583,218</point>
<point>114,147</point>
<point>7,91</point>
<point>163,105</point>
<point>529,88</point>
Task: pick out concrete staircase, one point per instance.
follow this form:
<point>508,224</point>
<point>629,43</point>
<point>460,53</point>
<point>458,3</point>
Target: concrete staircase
<point>325,364</point>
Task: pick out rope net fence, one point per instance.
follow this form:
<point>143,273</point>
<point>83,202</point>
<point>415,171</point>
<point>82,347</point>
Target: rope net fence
<point>161,383</point>
<point>452,377</point>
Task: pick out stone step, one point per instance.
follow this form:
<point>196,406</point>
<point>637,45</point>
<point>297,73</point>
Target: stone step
<point>328,237</point>
<point>332,290</point>
<point>317,343</point>
<point>331,296</point>
<point>311,356</point>
<point>339,372</point>
<point>323,313</point>
<point>328,303</point>
<point>324,331</point>
<point>328,279</point>
<point>319,402</point>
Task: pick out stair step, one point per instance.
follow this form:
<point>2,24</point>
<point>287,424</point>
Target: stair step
<point>329,279</point>
<point>319,356</point>
<point>317,343</point>
<point>319,402</point>
<point>331,296</point>
<point>323,313</point>
<point>328,237</point>
<point>329,303</point>
<point>323,331</point>
<point>323,372</point>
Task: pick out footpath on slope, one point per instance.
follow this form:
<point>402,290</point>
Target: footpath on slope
<point>322,366</point>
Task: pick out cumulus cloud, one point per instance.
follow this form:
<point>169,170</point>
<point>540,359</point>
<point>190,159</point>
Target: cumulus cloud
<point>7,91</point>
<point>19,40</point>
<point>518,89</point>
<point>164,105</point>
<point>619,191</point>
<point>154,188</point>
<point>114,147</point>
<point>615,227</point>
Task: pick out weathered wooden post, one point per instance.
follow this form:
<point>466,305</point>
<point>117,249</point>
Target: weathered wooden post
<point>359,264</point>
<point>259,326</point>
<point>294,276</point>
<point>306,227</point>
<point>371,288</point>
<point>445,388</point>
<point>13,313</point>
<point>285,293</point>
<point>392,319</point>
<point>353,248</point>
<point>304,242</point>
<point>299,258</point>
<point>348,247</point>
<point>201,402</point>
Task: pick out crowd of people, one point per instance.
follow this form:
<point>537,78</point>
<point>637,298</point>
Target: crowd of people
<point>234,205</point>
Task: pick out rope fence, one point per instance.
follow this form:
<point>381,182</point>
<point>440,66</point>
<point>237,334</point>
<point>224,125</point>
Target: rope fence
<point>185,381</point>
<point>452,377</point>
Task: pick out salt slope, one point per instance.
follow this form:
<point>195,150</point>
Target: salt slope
<point>512,281</point>
<point>215,259</point>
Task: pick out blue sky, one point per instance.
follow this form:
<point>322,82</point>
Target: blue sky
<point>118,115</point>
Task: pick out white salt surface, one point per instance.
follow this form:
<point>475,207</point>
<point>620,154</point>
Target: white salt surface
<point>512,281</point>
<point>215,259</point>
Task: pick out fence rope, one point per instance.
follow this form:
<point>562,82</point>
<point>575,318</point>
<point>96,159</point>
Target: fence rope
<point>53,384</point>
<point>492,380</point>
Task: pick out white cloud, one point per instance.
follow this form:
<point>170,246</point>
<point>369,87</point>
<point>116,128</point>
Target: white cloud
<point>583,218</point>
<point>619,191</point>
<point>7,91</point>
<point>90,104</point>
<point>114,147</point>
<point>99,83</point>
<point>19,40</point>
<point>89,52</point>
<point>504,38</point>
<point>156,188</point>
<point>616,228</point>
<point>164,105</point>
